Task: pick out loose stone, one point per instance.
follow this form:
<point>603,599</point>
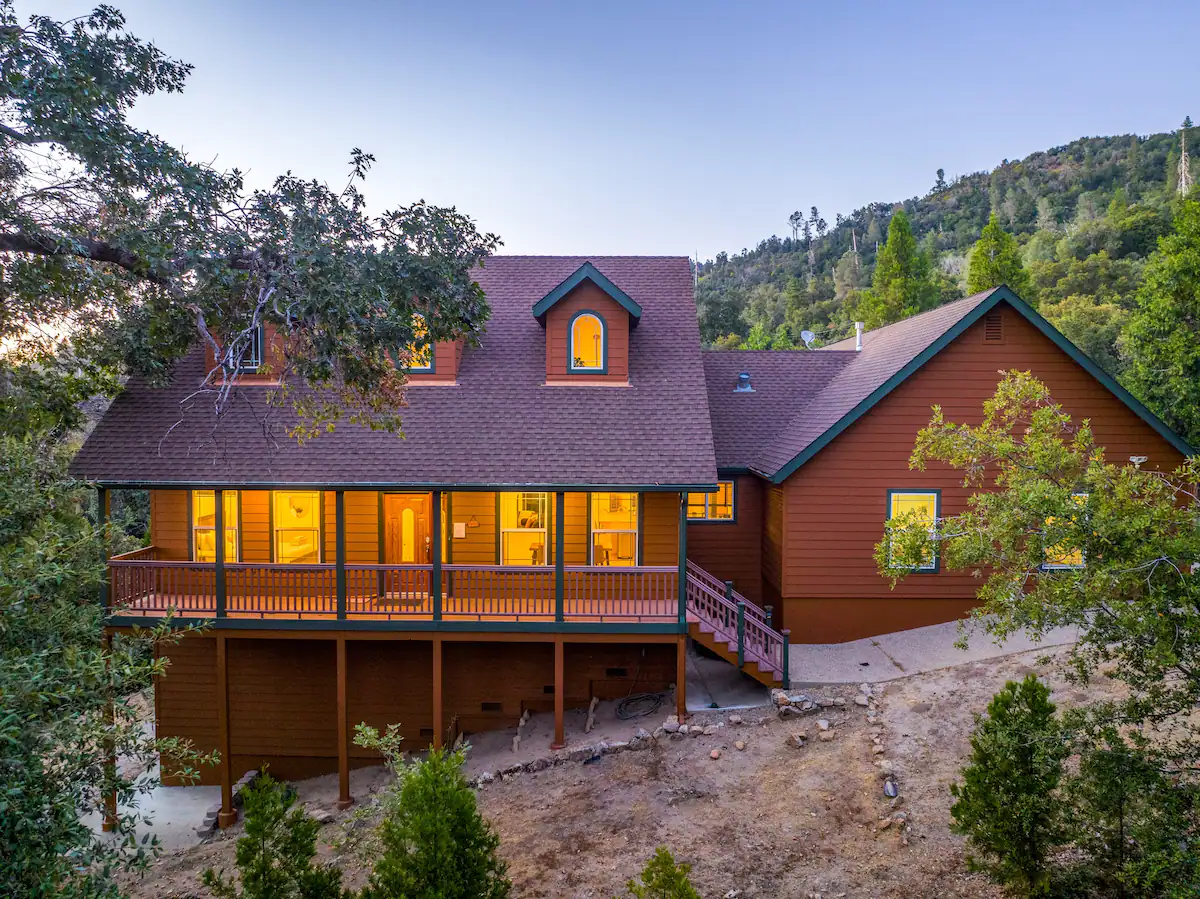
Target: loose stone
<point>715,754</point>
<point>740,745</point>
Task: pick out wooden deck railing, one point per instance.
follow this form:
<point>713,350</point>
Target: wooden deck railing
<point>737,621</point>
<point>144,585</point>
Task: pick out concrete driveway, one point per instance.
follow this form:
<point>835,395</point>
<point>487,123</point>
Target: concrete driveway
<point>890,656</point>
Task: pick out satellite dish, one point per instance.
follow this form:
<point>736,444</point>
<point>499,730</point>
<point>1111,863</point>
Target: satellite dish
<point>808,337</point>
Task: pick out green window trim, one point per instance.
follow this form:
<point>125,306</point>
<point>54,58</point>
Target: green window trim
<point>574,369</point>
<point>935,565</point>
<point>707,517</point>
<point>255,356</point>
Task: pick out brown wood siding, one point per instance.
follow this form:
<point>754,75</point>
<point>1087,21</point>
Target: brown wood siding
<point>185,700</point>
<point>835,505</point>
<point>478,547</point>
<point>390,682</point>
<point>660,529</point>
<point>614,670</point>
<point>732,551</point>
<point>169,523</point>
<point>446,356</point>
<point>616,323</point>
<point>362,527</point>
<point>282,698</point>
<point>575,529</point>
<point>772,549</point>
<point>469,681</point>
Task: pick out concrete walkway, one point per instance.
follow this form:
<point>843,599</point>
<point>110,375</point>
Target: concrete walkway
<point>903,653</point>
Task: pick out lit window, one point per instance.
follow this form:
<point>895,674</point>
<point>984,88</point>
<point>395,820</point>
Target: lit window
<point>920,508</point>
<point>712,506</point>
<point>614,528</point>
<point>252,359</point>
<point>524,520</point>
<point>420,351</point>
<point>587,342</point>
<point>204,525</point>
<point>296,521</point>
<point>1062,555</point>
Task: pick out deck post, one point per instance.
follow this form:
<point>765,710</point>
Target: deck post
<point>560,552</point>
<point>219,550</point>
<point>228,815</point>
<point>683,563</point>
<point>559,691</point>
<point>103,510</point>
<point>681,679</point>
<point>345,800</point>
<point>787,673</point>
<point>435,575</point>
<point>769,614</point>
<point>741,606</point>
<point>437,691</point>
<point>339,552</point>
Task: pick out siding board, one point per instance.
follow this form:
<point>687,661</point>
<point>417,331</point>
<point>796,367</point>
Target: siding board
<point>733,551</point>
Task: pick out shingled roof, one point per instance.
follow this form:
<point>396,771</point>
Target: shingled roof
<point>500,426</point>
<point>808,398</point>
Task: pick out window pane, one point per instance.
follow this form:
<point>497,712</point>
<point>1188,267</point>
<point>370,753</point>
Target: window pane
<point>296,518</point>
<point>587,342</point>
<point>1061,554</point>
<point>614,511</point>
<point>923,504</point>
<point>523,547</point>
<point>720,504</point>
<point>696,505</point>
<point>297,546</point>
<point>614,548</point>
<point>524,510</point>
<point>420,351</point>
<point>204,522</point>
<point>205,546</point>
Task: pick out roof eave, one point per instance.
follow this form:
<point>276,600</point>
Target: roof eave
<point>587,272</point>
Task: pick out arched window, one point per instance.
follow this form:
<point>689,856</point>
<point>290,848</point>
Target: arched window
<point>588,343</point>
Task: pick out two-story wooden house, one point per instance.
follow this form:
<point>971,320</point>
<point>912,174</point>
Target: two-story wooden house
<point>572,500</point>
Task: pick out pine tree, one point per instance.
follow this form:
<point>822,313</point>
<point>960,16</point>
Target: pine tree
<point>435,842</point>
<point>1007,805</point>
<point>996,260</point>
<point>902,284</point>
<point>1163,336</point>
<point>662,878</point>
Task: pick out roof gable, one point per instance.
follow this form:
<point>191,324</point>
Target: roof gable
<point>587,272</point>
<point>861,385</point>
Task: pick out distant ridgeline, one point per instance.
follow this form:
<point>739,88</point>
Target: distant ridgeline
<point>1086,216</point>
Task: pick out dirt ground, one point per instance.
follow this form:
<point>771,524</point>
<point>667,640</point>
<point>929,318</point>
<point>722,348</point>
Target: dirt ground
<point>772,820</point>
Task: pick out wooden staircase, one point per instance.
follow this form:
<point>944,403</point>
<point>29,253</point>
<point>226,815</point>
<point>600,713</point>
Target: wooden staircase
<point>736,629</point>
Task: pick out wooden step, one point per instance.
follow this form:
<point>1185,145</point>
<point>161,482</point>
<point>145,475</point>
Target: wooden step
<point>728,651</point>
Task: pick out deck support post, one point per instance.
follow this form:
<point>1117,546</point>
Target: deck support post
<point>228,815</point>
<point>681,679</point>
<point>787,671</point>
<point>437,691</point>
<point>559,691</point>
<point>345,800</point>
<point>436,574</point>
<point>560,552</point>
<point>103,511</point>
<point>683,563</point>
<point>219,550</point>
<point>110,749</point>
<point>339,551</point>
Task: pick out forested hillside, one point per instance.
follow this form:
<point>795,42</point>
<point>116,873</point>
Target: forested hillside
<point>1085,218</point>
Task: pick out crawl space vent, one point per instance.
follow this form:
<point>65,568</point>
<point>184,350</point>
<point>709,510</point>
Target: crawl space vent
<point>993,327</point>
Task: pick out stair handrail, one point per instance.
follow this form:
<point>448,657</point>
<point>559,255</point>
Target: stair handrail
<point>753,610</point>
<point>732,620</point>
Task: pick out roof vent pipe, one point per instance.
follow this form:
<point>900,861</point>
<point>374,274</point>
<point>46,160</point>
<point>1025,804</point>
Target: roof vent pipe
<point>858,333</point>
<point>743,383</point>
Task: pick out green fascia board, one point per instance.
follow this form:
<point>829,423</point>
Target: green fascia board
<point>1001,294</point>
<point>587,272</point>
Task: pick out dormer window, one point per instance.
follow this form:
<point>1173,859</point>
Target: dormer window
<point>588,343</point>
<point>252,359</point>
<point>420,351</point>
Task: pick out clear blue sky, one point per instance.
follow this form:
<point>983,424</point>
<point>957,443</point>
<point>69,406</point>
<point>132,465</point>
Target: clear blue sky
<point>639,127</point>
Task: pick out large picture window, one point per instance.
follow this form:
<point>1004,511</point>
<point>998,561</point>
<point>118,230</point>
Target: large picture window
<point>204,525</point>
<point>587,342</point>
<point>920,509</point>
<point>614,528</point>
<point>296,522</point>
<point>712,506</point>
<point>524,527</point>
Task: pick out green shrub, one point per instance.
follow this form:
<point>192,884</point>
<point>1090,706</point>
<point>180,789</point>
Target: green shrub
<point>1008,805</point>
<point>275,858</point>
<point>663,879</point>
<point>435,843</point>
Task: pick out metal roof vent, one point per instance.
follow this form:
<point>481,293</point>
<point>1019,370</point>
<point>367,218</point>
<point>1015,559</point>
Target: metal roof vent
<point>743,383</point>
